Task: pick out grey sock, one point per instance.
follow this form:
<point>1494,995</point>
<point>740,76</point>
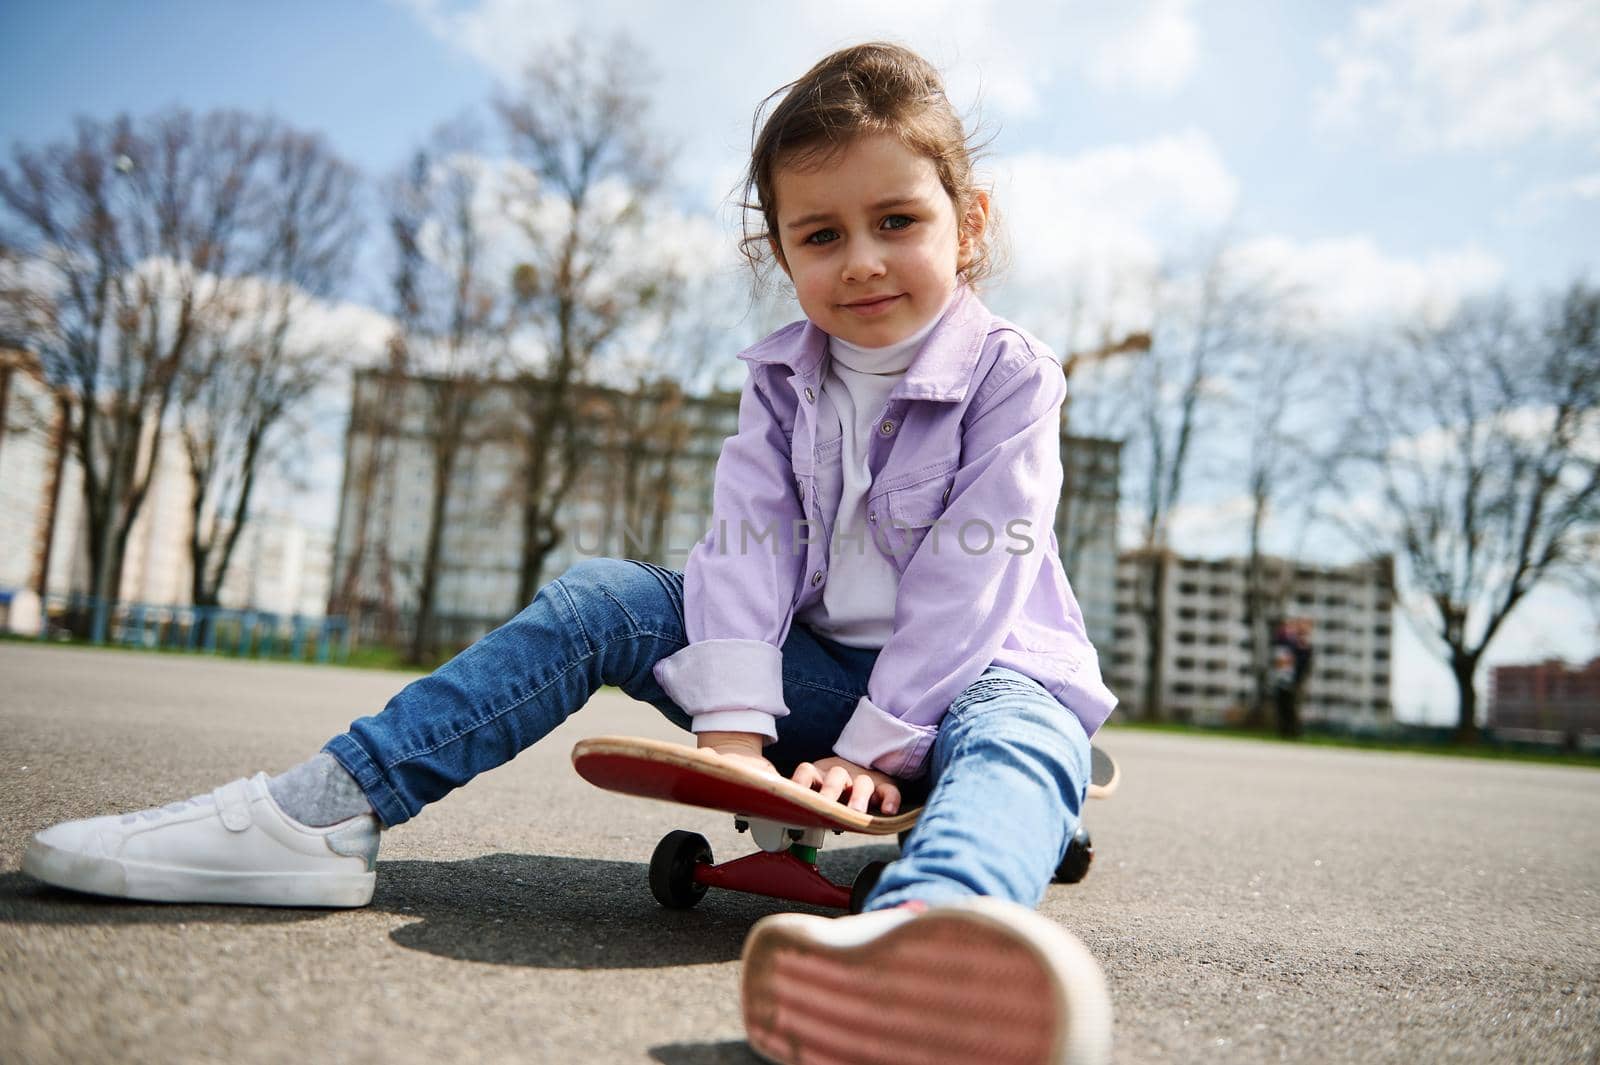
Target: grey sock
<point>319,792</point>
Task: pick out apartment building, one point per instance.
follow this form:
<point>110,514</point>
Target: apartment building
<point>631,498</point>
<point>281,565</point>
<point>31,436</point>
<point>1086,527</point>
<point>1207,671</point>
<point>1548,696</point>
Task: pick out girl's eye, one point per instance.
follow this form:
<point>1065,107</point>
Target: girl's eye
<point>898,221</point>
<point>822,236</point>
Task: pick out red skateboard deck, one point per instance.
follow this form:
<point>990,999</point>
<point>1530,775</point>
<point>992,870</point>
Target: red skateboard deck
<point>788,821</point>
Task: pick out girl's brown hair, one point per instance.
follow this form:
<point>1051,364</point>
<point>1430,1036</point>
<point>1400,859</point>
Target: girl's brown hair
<point>866,89</point>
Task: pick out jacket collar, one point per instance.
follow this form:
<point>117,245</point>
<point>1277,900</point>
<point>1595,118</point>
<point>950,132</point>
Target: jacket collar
<point>941,371</point>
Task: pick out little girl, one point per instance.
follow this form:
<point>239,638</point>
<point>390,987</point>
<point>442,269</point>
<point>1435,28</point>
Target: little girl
<point>879,603</point>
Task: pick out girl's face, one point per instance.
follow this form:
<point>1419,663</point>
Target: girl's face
<point>871,241</point>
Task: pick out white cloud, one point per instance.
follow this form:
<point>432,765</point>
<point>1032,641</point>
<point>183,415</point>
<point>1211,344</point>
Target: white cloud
<point>1545,200</point>
<point>1467,74</point>
<point>718,64</point>
<point>1119,202</point>
<point>1350,280</point>
<point>1156,51</point>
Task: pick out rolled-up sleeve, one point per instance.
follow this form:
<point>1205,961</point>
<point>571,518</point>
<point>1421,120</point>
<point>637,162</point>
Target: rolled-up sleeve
<point>955,607</point>
<point>739,583</point>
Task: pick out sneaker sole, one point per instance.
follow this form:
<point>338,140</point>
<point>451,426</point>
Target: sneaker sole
<point>159,883</point>
<point>980,985</point>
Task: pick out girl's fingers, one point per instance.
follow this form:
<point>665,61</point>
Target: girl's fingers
<point>837,785</point>
<point>861,796</point>
<point>836,782</point>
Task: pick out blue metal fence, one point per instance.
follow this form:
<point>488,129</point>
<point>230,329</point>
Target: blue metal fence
<point>209,630</point>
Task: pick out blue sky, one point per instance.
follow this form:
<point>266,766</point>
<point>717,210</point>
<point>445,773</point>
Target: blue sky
<point>1390,155</point>
<point>376,77</point>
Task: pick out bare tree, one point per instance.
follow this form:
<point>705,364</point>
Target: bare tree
<point>580,127</point>
<point>129,225</point>
<point>650,434</point>
<point>363,578</point>
<point>1205,321</point>
<point>256,361</point>
<point>1473,454</point>
<point>451,310</point>
<point>1280,408</point>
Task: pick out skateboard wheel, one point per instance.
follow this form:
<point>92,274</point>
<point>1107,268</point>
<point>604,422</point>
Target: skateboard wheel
<point>672,869</point>
<point>1075,864</point>
<point>863,884</point>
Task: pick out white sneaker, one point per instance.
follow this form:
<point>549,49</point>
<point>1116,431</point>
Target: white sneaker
<point>978,981</point>
<point>233,845</point>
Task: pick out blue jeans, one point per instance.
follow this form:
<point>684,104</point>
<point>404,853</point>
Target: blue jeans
<point>1006,779</point>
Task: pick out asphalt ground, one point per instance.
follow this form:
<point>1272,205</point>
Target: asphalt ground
<point>1249,901</point>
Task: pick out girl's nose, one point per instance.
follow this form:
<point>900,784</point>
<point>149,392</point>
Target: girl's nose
<point>863,263</point>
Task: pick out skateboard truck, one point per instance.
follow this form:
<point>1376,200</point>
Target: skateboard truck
<point>785,867</point>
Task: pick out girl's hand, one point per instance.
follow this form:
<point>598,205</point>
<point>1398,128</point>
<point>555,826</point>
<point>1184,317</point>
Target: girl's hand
<point>834,777</point>
<point>742,748</point>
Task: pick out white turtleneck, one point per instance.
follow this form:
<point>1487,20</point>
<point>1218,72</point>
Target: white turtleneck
<point>857,603</point>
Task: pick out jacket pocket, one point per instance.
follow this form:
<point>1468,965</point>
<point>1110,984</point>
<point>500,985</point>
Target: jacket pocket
<point>903,517</point>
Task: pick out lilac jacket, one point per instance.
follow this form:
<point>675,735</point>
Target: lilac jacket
<point>966,476</point>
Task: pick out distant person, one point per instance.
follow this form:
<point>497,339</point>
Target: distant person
<point>898,408</point>
<point>1291,666</point>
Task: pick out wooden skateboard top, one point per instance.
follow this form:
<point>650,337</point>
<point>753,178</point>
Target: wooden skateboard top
<point>654,769</point>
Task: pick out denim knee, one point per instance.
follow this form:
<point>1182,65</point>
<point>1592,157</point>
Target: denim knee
<point>1007,715</point>
<point>629,613</point>
<point>623,597</point>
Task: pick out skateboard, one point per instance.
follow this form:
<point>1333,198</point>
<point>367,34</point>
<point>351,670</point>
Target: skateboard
<point>787,822</point>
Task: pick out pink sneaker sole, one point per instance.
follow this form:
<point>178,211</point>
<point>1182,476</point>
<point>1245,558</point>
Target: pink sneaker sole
<point>981,982</point>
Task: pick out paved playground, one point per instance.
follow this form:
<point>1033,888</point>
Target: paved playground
<point>1250,902</point>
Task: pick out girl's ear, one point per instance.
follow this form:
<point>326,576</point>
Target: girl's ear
<point>777,253</point>
<point>974,221</point>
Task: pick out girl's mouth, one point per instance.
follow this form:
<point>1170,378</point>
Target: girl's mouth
<point>871,307</point>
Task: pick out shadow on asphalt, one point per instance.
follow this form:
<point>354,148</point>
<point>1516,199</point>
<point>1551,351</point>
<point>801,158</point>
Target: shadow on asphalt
<point>24,900</point>
<point>550,912</point>
<point>732,1052</point>
<point>540,911</point>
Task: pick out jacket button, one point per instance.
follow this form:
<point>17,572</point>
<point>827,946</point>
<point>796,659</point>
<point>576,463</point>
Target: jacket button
<point>816,578</point>
<point>946,498</point>
<point>887,427</point>
<point>811,397</point>
<point>872,515</point>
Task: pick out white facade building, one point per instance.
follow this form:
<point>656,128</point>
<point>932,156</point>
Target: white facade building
<point>1207,672</point>
<point>29,434</point>
<point>1086,528</point>
<point>279,566</point>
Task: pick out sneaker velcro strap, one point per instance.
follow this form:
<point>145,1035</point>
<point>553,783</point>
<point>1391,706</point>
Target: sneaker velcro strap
<point>233,803</point>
